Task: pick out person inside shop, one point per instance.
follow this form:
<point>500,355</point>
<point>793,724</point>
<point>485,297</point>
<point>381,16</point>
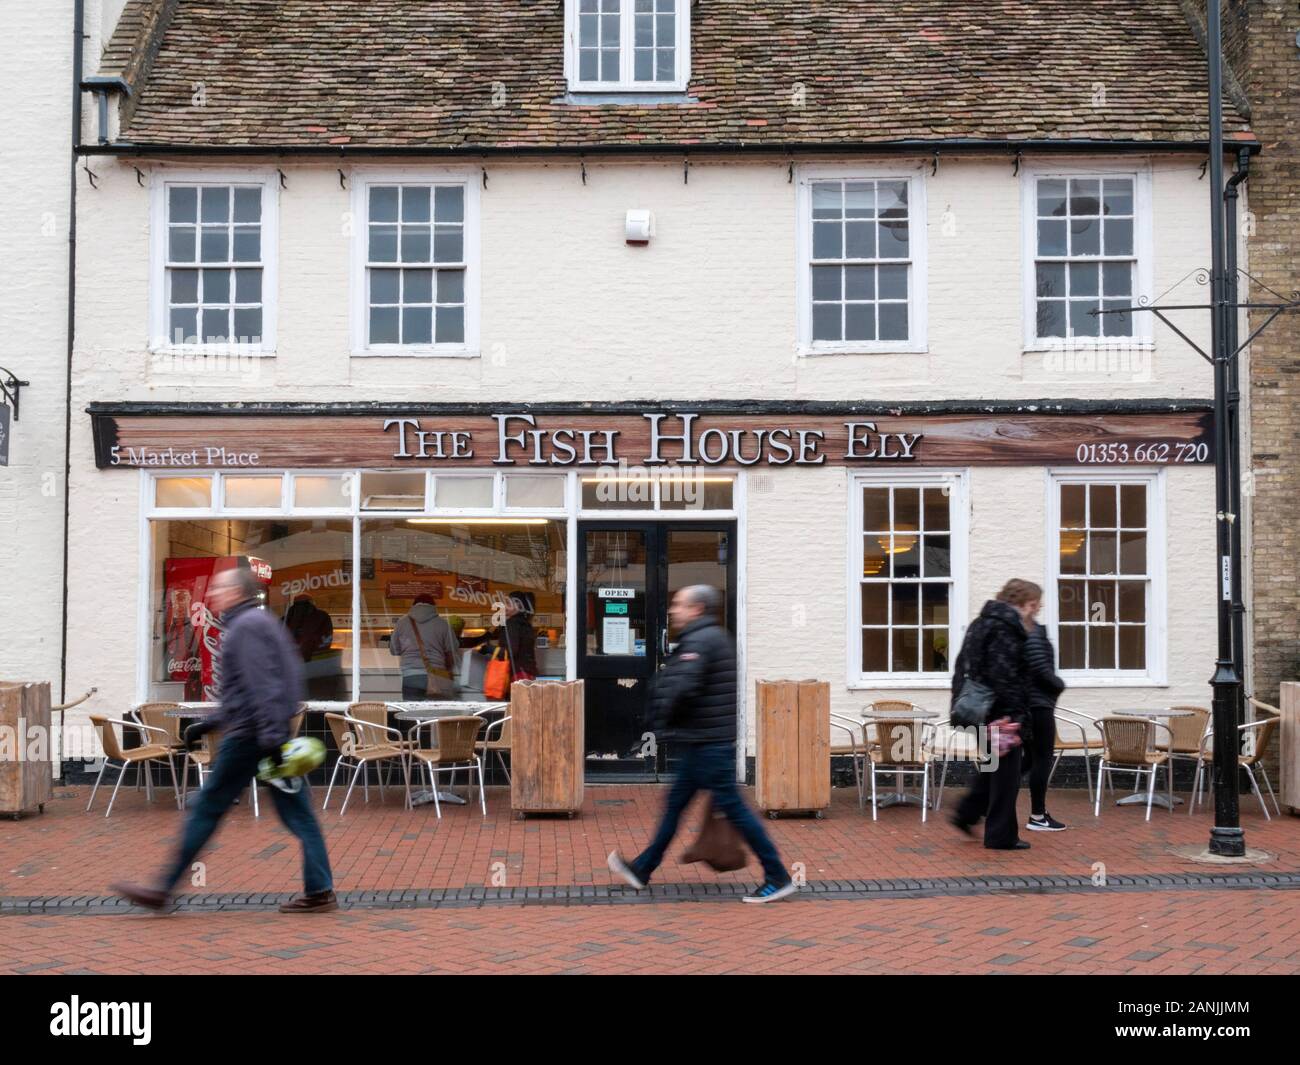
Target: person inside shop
<point>993,653</point>
<point>694,701</point>
<point>516,637</point>
<point>429,652</point>
<point>310,627</point>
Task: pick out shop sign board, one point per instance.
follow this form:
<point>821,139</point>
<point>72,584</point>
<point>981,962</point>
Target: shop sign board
<point>677,439</point>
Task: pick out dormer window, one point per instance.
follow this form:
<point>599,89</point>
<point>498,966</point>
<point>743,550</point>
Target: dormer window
<point>627,45</point>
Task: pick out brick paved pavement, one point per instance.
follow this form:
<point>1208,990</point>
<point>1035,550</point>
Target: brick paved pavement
<point>68,852</point>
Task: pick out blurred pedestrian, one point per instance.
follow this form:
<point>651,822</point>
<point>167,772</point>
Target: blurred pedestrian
<point>993,653</point>
<point>1044,689</point>
<point>261,689</point>
<point>695,707</point>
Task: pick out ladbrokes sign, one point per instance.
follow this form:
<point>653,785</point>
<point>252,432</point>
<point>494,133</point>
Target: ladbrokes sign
<point>529,437</point>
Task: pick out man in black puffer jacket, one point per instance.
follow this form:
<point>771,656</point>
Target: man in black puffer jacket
<point>695,706</point>
<point>994,654</point>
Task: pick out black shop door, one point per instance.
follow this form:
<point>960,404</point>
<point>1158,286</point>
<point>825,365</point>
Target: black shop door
<point>628,573</point>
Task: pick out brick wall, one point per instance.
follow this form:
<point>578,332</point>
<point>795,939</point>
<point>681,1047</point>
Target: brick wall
<point>1260,41</point>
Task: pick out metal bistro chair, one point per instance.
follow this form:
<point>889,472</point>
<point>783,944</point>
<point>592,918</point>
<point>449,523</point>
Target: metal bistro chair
<point>500,745</point>
<point>1257,736</point>
<point>952,744</point>
<point>1186,735</point>
<point>900,748</point>
<point>360,744</point>
<point>454,746</point>
<point>140,757</point>
<point>155,716</point>
<point>1128,746</point>
<point>1082,742</point>
<point>202,759</point>
<point>855,748</point>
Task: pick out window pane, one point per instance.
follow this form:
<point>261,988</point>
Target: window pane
<point>1133,552</point>
<point>534,491</point>
<point>1119,236</point>
<point>248,286</point>
<point>415,244</point>
<point>1051,198</point>
<point>936,510</point>
<point>417,325</point>
<point>1119,196</point>
<point>392,491</point>
<point>934,650</point>
<point>384,325</point>
<point>893,282</point>
<point>252,492</point>
<point>1102,512</point>
<point>1051,238</point>
<point>827,281</point>
<point>1133,505</point>
<point>1117,279</point>
<point>248,205</point>
<point>1085,236</point>
<point>385,286</point>
<point>934,604</point>
<point>938,556</point>
<point>907,650</point>
<point>643,65</point>
<point>860,240</point>
<point>216,286</point>
<point>893,240</point>
<point>859,199</point>
<point>892,199</point>
<point>828,240</point>
<point>1103,602</point>
<point>875,650</point>
<point>1073,650</point>
<point>215,325</point>
<point>1085,196</point>
<point>1133,601</point>
<point>860,321</point>
<point>383,244</point>
<point>875,603</point>
<point>1071,598</point>
<point>1073,506</point>
<point>828,321</point>
<point>463,493</point>
<point>1084,279</point>
<point>416,203</point>
<point>181,244</point>
<point>1117,325</point>
<point>248,325</point>
<point>1101,647</point>
<point>906,604</point>
<point>828,199</point>
<point>215,245</point>
<point>450,326</point>
<point>417,286</point>
<point>907,508</point>
<point>1132,647</point>
<point>185,286</point>
<point>875,509</point>
<point>215,204</point>
<point>1083,322</point>
<point>1072,555</point>
<point>893,321</point>
<point>449,203</point>
<point>248,244</point>
<point>323,491</point>
<point>874,556</point>
<point>448,244</point>
<point>1051,318</point>
<point>383,203</point>
<point>183,492</point>
<point>1103,557</point>
<point>1050,280</point>
<point>182,204</point>
<point>183,327</point>
<point>451,286</point>
<point>907,555</point>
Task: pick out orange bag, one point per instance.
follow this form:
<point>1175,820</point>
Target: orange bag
<point>496,678</point>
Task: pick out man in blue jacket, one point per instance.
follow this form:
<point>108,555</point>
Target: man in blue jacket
<point>695,705</point>
<point>261,688</point>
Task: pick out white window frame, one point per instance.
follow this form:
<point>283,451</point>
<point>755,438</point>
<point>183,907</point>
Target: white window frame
<point>1143,337</point>
<point>957,482</point>
<point>363,178</point>
<point>1156,673</point>
<point>918,226</point>
<point>160,340</point>
<point>626,83</point>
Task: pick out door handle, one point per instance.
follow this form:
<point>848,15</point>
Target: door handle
<point>663,642</point>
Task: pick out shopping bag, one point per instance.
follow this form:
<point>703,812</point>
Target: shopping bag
<point>718,845</point>
<point>496,678</point>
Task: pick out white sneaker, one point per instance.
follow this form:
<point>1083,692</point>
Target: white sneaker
<point>620,868</point>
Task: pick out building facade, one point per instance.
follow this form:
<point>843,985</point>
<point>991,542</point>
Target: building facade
<point>574,307</point>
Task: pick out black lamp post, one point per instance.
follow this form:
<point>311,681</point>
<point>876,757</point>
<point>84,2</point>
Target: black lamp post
<point>1226,837</point>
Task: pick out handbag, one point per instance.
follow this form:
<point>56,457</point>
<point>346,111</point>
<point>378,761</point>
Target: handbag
<point>972,707</point>
<point>496,677</point>
<point>432,670</point>
<point>718,845</point>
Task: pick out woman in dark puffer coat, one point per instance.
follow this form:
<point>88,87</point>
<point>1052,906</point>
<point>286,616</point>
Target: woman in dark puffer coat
<point>994,653</point>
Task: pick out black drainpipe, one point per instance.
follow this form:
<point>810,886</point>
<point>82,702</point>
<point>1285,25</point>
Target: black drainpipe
<point>78,46</point>
<point>1230,199</point>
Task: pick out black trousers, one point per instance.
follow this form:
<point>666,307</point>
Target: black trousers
<point>1043,743</point>
<point>994,797</point>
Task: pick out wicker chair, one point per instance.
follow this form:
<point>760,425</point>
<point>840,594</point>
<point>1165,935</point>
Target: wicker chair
<point>454,747</point>
<point>374,714</point>
<point>155,716</point>
<point>1186,734</point>
<point>141,756</point>
<point>1075,722</point>
<point>1128,746</point>
<point>498,745</point>
<point>900,747</point>
<point>361,744</point>
<point>1258,735</point>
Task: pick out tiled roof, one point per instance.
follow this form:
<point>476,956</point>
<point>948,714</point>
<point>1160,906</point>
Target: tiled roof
<point>462,73</point>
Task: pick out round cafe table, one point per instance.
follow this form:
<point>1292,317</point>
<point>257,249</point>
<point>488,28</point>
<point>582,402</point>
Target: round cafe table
<point>1152,714</point>
<point>424,711</point>
<point>899,797</point>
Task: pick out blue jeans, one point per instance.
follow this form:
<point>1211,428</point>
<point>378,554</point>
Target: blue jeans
<point>710,767</point>
<point>235,766</point>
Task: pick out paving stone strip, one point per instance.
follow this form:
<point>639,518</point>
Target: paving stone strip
<point>590,894</point>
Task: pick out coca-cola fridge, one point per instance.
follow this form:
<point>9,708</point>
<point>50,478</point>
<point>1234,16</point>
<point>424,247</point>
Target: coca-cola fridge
<point>191,631</point>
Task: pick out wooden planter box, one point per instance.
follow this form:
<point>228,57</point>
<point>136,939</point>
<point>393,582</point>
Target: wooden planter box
<point>793,767</point>
<point>547,737</point>
<point>1289,747</point>
<point>25,783</point>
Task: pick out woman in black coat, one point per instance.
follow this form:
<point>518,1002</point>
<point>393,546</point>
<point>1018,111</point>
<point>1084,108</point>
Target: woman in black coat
<point>993,652</point>
<point>1044,689</point>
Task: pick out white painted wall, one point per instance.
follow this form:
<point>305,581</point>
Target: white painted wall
<point>706,311</point>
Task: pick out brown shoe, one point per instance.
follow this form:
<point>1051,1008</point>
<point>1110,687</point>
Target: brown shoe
<point>321,902</point>
<point>147,897</point>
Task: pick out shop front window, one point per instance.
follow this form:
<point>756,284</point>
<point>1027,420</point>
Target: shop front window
<point>495,581</point>
<point>305,568</point>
